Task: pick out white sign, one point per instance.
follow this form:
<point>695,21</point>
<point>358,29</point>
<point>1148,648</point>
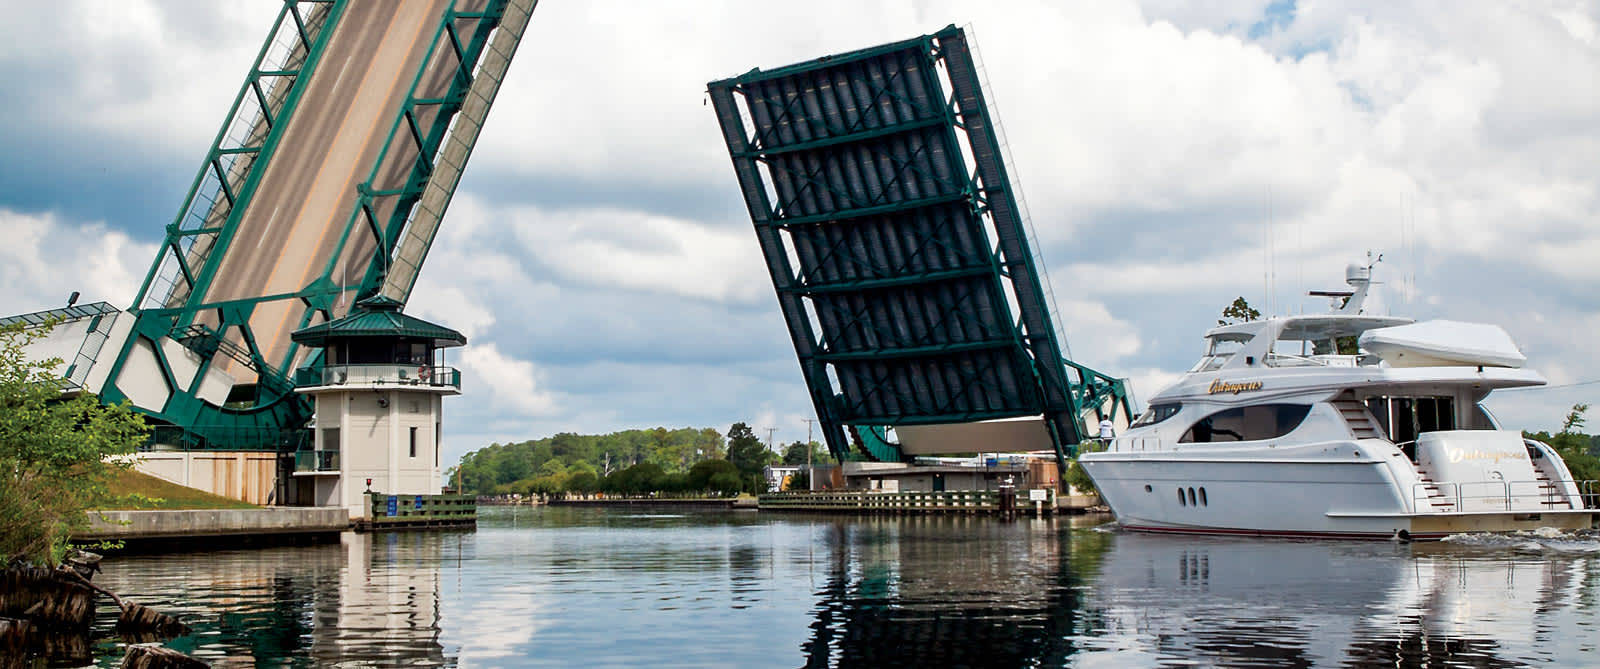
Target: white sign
<point>1038,495</point>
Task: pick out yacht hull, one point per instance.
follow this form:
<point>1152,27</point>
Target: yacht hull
<point>1335,492</point>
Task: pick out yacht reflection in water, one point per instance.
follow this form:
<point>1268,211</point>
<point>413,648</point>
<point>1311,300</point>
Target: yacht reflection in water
<point>368,596</point>
<point>1122,599</point>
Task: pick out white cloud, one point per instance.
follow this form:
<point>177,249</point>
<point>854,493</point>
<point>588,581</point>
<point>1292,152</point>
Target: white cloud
<point>1095,334</point>
<point>509,384</point>
<point>639,252</point>
<point>157,74</point>
<point>45,258</point>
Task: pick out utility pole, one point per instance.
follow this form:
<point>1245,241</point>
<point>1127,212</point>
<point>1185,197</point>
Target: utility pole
<point>811,474</point>
<point>771,430</point>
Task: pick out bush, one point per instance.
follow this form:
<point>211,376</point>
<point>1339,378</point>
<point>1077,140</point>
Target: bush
<point>57,454</point>
<point>1076,476</point>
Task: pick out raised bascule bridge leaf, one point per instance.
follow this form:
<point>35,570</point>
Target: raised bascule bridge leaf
<point>880,199</point>
<point>324,187</point>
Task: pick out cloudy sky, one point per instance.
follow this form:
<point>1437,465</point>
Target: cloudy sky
<point>1174,155</point>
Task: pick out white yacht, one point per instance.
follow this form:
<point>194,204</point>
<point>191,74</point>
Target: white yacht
<point>1339,425</point>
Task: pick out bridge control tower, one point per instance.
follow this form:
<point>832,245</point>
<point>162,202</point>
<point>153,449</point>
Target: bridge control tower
<point>379,406</point>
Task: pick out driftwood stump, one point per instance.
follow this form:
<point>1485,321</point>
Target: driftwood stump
<point>157,657</point>
<point>14,635</point>
<point>49,602</point>
<point>141,619</point>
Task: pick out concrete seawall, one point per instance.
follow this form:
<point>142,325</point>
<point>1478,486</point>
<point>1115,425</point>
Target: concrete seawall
<point>214,522</point>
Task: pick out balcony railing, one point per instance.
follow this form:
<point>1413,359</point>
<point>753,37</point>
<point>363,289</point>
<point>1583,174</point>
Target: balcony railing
<point>316,461</point>
<point>386,374</point>
<point>226,438</point>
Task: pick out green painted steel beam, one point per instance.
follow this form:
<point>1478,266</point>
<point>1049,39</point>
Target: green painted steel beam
<point>889,353</point>
<point>893,129</point>
<point>863,212</point>
<point>923,43</point>
<point>861,285</point>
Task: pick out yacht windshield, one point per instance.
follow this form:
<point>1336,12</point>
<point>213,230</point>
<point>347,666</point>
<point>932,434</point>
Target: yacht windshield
<point>1156,413</point>
<point>1219,348</point>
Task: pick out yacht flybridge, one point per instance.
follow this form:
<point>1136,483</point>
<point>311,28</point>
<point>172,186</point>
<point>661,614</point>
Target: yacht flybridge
<point>1339,425</point>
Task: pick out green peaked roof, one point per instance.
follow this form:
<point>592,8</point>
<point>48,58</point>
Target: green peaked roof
<point>377,316</point>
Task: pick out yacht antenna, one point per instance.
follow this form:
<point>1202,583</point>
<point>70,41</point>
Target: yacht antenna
<point>1359,278</point>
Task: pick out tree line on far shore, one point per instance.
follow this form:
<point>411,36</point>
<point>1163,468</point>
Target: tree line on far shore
<point>630,462</point>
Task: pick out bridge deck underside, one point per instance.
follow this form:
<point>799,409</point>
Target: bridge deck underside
<point>884,251</point>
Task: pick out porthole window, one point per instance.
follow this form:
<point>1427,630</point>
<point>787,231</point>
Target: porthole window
<point>1203,501</point>
<point>1250,423</point>
<point>1182,501</point>
<point>1147,487</point>
<point>1191,497</point>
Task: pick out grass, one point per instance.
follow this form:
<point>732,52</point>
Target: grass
<point>162,494</point>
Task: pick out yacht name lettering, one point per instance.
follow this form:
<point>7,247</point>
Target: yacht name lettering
<point>1220,386</point>
<point>1457,455</point>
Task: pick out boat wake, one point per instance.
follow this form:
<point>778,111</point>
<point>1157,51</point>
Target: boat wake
<point>1544,539</point>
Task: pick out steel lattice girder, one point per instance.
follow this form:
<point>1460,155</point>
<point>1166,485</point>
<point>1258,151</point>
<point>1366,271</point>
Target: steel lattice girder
<point>197,294</point>
<point>854,168</point>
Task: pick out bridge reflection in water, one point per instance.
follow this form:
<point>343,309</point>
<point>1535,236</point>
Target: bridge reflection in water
<point>370,596</point>
<point>562,587</point>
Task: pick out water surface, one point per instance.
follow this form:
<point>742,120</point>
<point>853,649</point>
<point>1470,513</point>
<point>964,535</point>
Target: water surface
<point>565,587</point>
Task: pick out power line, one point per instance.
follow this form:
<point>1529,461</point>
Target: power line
<point>1564,385</point>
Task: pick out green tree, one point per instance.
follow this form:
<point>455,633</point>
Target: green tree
<point>745,451</point>
<point>727,483</point>
<point>636,480</point>
<point>583,481</point>
<point>1238,312</point>
<point>701,475</point>
<point>795,454</point>
<point>1574,420</point>
<point>1573,446</point>
<point>58,452</point>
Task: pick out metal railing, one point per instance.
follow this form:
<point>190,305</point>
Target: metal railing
<point>316,461</point>
<point>384,374</point>
<point>1498,495</point>
<point>227,438</point>
<point>1319,360</point>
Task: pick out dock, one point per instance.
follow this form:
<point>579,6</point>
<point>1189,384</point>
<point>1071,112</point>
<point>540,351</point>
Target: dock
<point>279,523</point>
<point>653,502</point>
<point>397,512</point>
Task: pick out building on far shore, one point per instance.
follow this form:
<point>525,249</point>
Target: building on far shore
<point>985,472</point>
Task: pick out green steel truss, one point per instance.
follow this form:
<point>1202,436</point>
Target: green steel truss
<point>429,140</point>
<point>895,245</point>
